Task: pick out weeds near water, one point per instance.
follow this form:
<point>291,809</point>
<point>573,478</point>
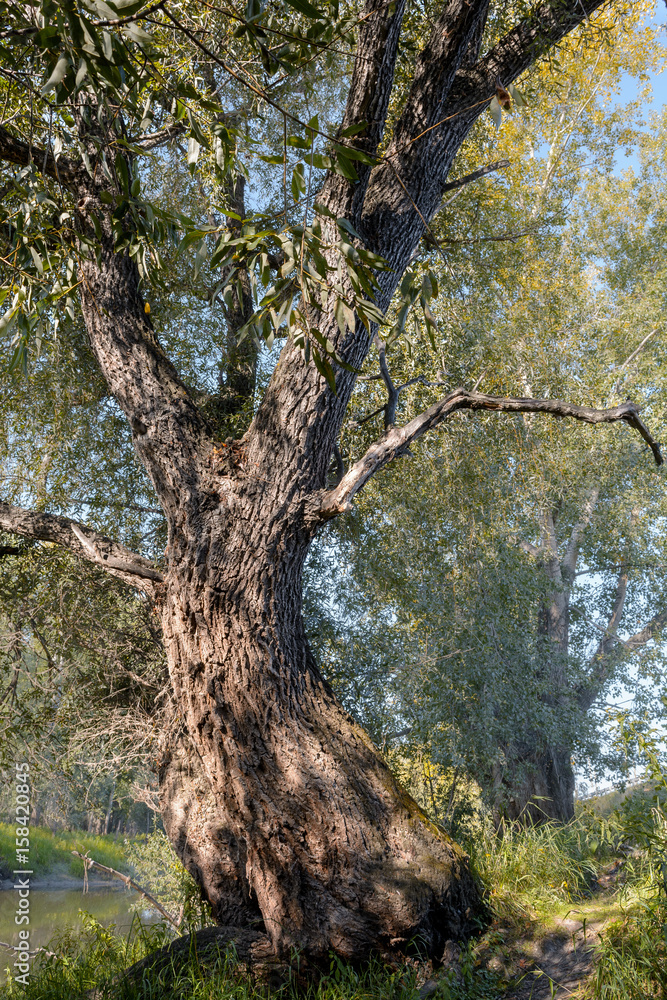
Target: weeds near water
<point>92,965</point>
<point>51,853</point>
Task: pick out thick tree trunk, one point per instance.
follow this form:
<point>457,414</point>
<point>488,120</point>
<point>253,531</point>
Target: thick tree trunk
<point>536,782</point>
<point>275,799</point>
<point>535,787</point>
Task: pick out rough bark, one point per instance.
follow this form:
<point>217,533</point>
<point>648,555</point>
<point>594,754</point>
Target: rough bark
<point>314,831</point>
<point>534,787</point>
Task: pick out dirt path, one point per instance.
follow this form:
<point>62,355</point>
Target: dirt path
<point>555,964</point>
<point>554,959</point>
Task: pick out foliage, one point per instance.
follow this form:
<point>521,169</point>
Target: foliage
<point>159,871</point>
<point>533,869</point>
<point>441,593</point>
<point>71,641</point>
<point>81,960</point>
<point>632,954</point>
<point>178,80</point>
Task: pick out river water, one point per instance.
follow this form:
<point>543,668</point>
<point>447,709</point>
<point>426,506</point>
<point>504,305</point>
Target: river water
<point>53,910</point>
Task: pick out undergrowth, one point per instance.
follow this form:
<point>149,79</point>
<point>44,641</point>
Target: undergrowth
<point>51,853</point>
<point>632,955</point>
<point>529,871</point>
<point>90,964</point>
<point>527,874</point>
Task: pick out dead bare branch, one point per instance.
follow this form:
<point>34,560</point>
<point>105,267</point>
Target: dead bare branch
<point>396,441</point>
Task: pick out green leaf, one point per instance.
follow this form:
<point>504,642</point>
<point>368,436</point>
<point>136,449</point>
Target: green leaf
<point>347,226</point>
<point>324,368</point>
<point>321,209</point>
<point>7,321</point>
<point>137,34</point>
<point>297,142</point>
<point>193,151</point>
<point>306,8</point>
<point>58,74</point>
<point>355,154</point>
<point>345,167</point>
<point>298,182</point>
<point>353,129</point>
<point>38,260</point>
<point>517,96</point>
<point>125,8</point>
<point>320,161</point>
<point>82,72</point>
<point>496,111</point>
<point>121,173</point>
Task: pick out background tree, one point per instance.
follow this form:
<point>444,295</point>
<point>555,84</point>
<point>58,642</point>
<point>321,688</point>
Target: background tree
<point>516,568</point>
<point>276,800</point>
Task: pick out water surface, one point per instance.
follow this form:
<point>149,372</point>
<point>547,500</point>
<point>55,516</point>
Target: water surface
<point>53,910</point>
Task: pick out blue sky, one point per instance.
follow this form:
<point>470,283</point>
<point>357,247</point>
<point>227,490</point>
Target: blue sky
<point>629,91</point>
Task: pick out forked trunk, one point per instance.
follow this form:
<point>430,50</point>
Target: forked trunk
<point>275,799</point>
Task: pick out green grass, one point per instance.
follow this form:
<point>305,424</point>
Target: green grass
<point>528,872</point>
<point>91,962</point>
<point>51,853</point>
<point>531,876</point>
<point>631,961</point>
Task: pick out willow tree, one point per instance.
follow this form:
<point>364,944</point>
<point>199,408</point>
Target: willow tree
<point>502,584</point>
<point>274,798</point>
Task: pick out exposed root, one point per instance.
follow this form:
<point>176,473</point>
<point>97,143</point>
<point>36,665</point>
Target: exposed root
<point>208,950</point>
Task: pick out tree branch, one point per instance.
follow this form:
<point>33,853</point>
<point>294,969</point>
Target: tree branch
<point>515,52</point>
<point>21,153</point>
<point>154,139</point>
<point>396,441</point>
<point>131,884</point>
<point>631,357</point>
<point>459,23</point>
<point>532,550</point>
<point>475,175</point>
<point>600,661</point>
<point>368,98</point>
<point>84,542</point>
<point>392,391</point>
<point>446,97</point>
<point>650,630</point>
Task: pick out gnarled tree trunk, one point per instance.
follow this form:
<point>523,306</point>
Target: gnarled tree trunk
<point>534,786</point>
<point>292,814</point>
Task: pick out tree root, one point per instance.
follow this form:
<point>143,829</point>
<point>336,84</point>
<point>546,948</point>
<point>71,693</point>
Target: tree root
<point>249,952</point>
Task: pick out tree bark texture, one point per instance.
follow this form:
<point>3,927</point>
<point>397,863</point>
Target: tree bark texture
<point>534,787</point>
<point>290,817</point>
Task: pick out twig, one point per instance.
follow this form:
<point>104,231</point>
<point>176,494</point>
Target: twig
<point>475,175</point>
<point>132,884</point>
<point>12,947</point>
<point>392,391</point>
<point>632,357</point>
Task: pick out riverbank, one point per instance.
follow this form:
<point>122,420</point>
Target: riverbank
<point>61,882</point>
<point>51,860</point>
